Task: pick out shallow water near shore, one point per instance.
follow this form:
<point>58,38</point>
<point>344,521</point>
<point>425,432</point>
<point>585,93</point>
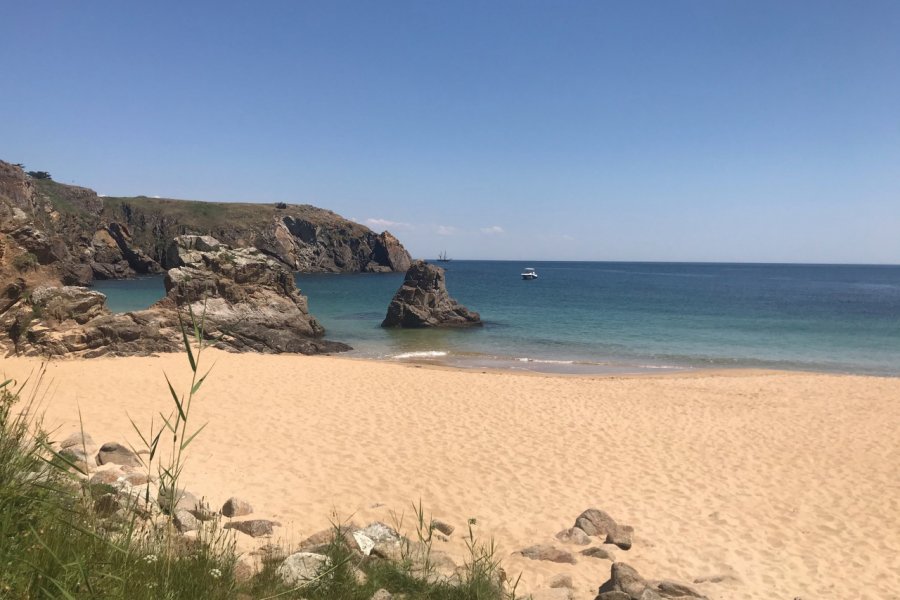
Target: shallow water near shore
<point>600,317</point>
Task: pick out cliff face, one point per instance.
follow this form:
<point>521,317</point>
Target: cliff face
<point>54,238</point>
<point>109,238</point>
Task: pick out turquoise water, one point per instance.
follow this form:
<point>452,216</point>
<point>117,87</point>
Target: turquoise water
<point>621,317</point>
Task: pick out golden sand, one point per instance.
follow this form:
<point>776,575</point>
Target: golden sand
<point>757,484</point>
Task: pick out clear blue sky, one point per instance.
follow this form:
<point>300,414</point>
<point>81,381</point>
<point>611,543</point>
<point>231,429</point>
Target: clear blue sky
<point>670,130</point>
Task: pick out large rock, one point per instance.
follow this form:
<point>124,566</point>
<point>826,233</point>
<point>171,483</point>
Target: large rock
<point>254,527</point>
<point>574,535</point>
<point>380,540</point>
<point>423,301</point>
<point>302,567</point>
<point>598,523</point>
<point>625,583</point>
<point>548,553</point>
<point>250,301</point>
<point>236,507</point>
<point>113,452</point>
<point>68,302</point>
<point>598,552</point>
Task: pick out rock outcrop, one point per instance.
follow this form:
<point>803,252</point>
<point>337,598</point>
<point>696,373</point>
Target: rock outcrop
<point>250,301</point>
<point>423,301</point>
<point>598,523</point>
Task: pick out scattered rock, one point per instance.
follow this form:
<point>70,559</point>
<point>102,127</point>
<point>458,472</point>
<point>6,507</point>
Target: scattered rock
<point>625,583</point>
<point>183,500</point>
<point>107,476</point>
<point>621,536</point>
<point>560,581</point>
<point>598,552</point>
<point>136,478</point>
<point>254,527</point>
<point>112,452</point>
<point>184,521</point>
<point>318,542</point>
<point>382,594</point>
<point>574,535</point>
<point>301,567</point>
<point>75,440</point>
<point>423,301</point>
<point>716,578</point>
<point>236,507</point>
<point>443,527</point>
<point>364,542</point>
<point>245,567</point>
<point>549,553</point>
<point>595,522</point>
<point>378,532</point>
<point>598,523</point>
<point>672,589</point>
<point>624,578</point>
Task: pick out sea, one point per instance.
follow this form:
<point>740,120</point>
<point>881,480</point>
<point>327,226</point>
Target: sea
<point>618,317</point>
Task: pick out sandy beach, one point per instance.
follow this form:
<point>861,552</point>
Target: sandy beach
<point>753,484</point>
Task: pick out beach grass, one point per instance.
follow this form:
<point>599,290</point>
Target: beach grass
<point>64,537</point>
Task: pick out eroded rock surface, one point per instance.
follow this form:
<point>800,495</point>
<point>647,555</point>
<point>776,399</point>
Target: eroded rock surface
<point>249,300</point>
<point>423,301</point>
<point>625,583</point>
<point>109,238</point>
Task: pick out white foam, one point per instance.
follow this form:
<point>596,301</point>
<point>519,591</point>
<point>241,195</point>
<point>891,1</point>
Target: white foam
<point>424,354</point>
<point>546,362</point>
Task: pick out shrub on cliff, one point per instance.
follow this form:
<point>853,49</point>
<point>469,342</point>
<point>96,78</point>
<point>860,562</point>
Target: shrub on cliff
<point>25,262</point>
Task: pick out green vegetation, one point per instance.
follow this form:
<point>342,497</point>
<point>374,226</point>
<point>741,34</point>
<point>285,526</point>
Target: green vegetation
<point>39,174</point>
<point>25,262</point>
<point>63,537</point>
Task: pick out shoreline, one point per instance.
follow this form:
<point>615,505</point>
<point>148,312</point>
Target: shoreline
<point>747,480</point>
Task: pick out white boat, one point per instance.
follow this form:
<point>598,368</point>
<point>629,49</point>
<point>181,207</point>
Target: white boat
<point>529,273</point>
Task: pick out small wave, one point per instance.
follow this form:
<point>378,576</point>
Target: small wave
<point>423,354</point>
<point>546,362</point>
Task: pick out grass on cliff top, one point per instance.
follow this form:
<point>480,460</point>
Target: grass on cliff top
<point>63,537</point>
<point>209,216</point>
<point>191,214</point>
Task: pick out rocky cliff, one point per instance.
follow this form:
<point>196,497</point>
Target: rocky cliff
<point>87,237</point>
<point>247,301</point>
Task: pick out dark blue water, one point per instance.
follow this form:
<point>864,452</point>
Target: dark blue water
<point>620,317</point>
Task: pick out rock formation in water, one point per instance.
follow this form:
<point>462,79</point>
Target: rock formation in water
<point>423,301</point>
<point>86,236</point>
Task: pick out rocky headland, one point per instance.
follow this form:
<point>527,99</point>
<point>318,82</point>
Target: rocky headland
<point>56,239</point>
<point>423,301</point>
<point>86,236</point>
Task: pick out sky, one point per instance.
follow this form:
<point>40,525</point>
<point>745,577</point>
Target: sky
<point>747,131</point>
